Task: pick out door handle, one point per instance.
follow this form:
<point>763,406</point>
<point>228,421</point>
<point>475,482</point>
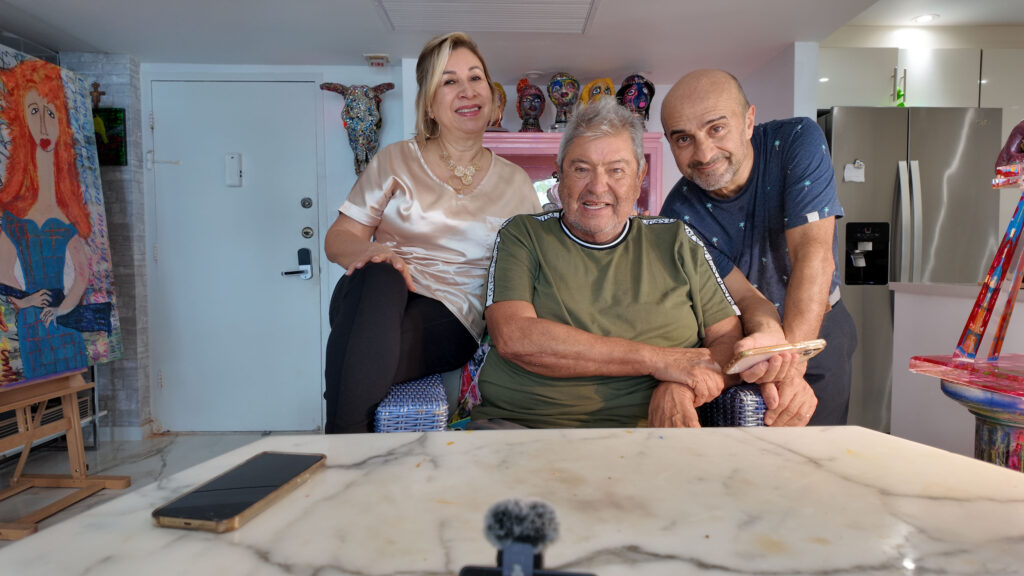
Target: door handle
<point>916,207</point>
<point>906,229</point>
<point>305,269</point>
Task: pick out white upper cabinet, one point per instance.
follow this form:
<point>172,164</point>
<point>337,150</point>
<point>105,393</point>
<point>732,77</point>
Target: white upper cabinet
<point>875,76</point>
<point>1003,85</point>
<point>857,76</point>
<point>940,76</point>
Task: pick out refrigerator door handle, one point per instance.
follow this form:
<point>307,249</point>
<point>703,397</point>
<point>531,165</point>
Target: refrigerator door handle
<point>905,228</point>
<point>915,202</point>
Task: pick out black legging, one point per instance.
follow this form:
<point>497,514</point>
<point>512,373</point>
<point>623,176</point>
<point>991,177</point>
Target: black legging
<point>382,334</point>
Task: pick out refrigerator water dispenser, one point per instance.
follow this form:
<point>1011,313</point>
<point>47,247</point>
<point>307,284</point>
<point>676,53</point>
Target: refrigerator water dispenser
<point>867,253</point>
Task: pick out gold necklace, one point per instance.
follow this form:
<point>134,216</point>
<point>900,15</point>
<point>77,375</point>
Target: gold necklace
<point>463,173</point>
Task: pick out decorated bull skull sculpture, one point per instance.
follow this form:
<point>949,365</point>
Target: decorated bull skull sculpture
<point>361,117</point>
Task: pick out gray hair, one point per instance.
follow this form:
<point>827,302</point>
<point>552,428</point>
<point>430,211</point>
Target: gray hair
<point>605,117</point>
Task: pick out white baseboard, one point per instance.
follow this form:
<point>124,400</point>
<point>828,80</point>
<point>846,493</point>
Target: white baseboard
<point>123,433</point>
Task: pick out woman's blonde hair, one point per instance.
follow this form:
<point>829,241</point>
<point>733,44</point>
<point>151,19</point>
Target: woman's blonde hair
<point>429,68</point>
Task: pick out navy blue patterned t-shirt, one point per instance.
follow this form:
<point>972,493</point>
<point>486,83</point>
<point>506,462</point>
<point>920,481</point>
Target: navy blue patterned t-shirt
<point>791,183</point>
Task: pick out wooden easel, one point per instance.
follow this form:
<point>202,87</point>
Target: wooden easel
<point>22,398</point>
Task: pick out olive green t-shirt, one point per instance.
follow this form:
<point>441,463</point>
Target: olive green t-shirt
<point>655,284</point>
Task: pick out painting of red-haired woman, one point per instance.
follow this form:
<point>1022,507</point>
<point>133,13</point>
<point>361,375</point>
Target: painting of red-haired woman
<point>46,255</point>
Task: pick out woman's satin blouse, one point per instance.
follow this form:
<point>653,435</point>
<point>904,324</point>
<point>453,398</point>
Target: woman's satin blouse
<point>445,238</point>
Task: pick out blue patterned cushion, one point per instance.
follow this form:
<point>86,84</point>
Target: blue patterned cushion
<point>737,406</point>
<point>413,406</point>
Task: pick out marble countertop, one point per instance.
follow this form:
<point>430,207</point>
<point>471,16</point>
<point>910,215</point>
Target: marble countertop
<point>834,501</point>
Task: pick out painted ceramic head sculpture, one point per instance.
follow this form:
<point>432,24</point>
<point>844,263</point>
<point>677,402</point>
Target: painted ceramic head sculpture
<point>564,91</point>
<point>1013,150</point>
<point>636,94</point>
<point>499,109</point>
<point>361,117</point>
<point>530,105</point>
<point>596,89</point>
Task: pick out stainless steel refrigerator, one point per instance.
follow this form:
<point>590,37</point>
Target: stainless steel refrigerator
<point>915,188</point>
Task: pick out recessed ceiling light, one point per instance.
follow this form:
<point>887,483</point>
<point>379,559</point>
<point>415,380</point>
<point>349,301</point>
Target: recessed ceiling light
<point>925,18</point>
<point>823,79</point>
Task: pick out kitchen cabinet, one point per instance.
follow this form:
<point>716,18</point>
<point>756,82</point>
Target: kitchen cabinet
<point>872,76</point>
<point>1003,87</point>
<point>536,152</point>
<point>940,76</point>
<point>857,76</point>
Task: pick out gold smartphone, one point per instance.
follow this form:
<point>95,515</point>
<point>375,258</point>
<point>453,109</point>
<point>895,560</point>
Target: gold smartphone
<point>748,358</point>
<point>230,500</point>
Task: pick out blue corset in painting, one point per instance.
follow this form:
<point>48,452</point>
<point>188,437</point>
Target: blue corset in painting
<point>52,349</point>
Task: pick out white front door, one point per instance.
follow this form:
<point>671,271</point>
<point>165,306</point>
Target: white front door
<point>235,344</point>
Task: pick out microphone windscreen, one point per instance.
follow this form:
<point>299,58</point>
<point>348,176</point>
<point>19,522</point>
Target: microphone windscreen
<point>531,522</point>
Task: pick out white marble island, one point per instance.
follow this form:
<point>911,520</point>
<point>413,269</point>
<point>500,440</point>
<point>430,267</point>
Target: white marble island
<point>718,501</point>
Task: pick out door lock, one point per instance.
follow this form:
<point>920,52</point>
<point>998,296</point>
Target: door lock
<point>306,202</point>
<point>305,269</point>
<point>307,232</point>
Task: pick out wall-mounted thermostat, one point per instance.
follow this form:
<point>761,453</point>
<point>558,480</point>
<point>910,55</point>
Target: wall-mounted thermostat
<point>233,169</point>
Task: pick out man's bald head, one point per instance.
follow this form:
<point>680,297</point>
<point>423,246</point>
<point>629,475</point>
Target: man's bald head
<point>708,123</point>
<point>704,84</point>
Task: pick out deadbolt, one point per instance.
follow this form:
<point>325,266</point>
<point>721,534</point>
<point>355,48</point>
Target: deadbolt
<point>307,232</point>
<point>306,202</point>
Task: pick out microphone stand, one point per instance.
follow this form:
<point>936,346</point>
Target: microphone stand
<point>517,559</point>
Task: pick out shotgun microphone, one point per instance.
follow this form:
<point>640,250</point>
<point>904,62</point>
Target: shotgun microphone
<point>520,530</point>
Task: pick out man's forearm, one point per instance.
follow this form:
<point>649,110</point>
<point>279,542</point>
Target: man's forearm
<point>559,351</point>
<point>813,264</point>
<point>556,350</point>
<point>807,300</point>
<point>757,313</point>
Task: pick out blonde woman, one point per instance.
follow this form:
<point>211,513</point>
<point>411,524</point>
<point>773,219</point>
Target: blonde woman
<point>415,237</point>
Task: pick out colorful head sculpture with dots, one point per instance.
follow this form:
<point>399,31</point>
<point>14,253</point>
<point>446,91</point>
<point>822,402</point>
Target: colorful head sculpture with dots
<point>530,105</point>
<point>636,94</point>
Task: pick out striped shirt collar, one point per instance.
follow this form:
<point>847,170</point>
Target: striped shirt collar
<point>619,240</point>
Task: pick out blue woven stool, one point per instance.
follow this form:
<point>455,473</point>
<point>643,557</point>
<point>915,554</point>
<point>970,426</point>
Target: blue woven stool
<point>740,405</point>
<point>413,406</point>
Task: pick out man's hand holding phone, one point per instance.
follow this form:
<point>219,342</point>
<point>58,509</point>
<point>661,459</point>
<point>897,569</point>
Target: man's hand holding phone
<point>778,367</point>
<point>761,358</point>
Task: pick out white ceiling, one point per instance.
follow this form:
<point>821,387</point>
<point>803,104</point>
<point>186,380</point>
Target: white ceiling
<point>951,13</point>
<point>662,38</point>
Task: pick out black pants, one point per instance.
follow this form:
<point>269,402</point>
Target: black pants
<point>828,373</point>
<point>382,334</point>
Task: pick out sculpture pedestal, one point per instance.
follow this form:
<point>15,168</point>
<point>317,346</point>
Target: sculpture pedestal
<point>994,393</point>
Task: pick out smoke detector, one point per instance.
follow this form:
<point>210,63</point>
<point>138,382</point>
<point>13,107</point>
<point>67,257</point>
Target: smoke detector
<point>377,60</point>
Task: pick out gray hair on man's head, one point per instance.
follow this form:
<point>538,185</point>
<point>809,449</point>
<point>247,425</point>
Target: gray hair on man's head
<point>604,117</point>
